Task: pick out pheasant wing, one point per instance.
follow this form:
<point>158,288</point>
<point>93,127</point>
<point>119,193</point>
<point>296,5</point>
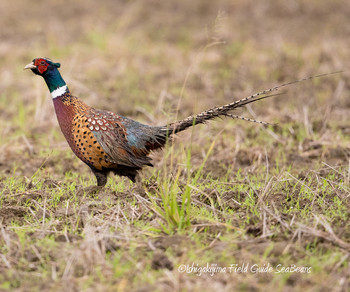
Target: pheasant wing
<point>111,133</point>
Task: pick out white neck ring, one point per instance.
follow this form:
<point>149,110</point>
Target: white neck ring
<point>59,91</point>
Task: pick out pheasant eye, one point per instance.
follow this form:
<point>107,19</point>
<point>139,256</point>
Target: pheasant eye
<point>42,63</point>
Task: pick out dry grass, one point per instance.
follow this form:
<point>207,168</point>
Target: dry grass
<point>224,193</point>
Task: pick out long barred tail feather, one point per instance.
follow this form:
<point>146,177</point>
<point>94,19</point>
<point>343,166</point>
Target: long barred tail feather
<point>222,111</point>
<point>249,120</point>
<point>213,113</point>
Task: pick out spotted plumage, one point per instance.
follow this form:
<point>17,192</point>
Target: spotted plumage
<point>100,138</point>
<point>108,142</point>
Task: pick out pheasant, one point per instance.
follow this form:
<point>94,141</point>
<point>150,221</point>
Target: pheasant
<point>108,142</point>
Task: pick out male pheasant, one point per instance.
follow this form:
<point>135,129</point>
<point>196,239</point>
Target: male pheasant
<point>108,142</point>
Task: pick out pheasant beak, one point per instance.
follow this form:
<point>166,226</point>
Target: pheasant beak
<point>30,66</point>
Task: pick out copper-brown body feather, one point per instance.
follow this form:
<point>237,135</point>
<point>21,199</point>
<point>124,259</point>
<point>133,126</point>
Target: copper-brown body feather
<point>101,139</point>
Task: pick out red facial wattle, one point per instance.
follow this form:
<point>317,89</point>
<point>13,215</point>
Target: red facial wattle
<point>41,65</point>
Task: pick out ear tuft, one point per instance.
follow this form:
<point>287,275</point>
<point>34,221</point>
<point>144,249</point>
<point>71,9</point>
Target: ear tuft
<point>57,65</point>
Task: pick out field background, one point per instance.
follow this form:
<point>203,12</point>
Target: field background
<point>229,192</point>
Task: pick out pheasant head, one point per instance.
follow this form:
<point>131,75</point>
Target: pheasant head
<point>49,71</point>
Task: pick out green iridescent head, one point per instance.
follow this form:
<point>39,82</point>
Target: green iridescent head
<point>48,70</point>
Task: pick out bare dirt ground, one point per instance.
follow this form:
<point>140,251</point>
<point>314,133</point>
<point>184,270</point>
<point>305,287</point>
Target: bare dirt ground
<point>223,195</point>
